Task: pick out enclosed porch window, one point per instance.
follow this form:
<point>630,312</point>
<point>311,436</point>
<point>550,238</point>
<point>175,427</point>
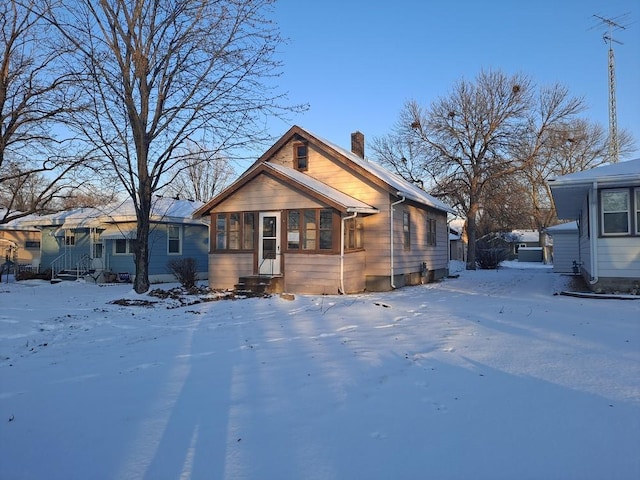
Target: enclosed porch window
<point>311,230</point>
<point>235,231</point>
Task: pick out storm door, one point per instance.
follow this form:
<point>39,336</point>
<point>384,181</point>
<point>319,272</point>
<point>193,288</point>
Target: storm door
<point>269,244</point>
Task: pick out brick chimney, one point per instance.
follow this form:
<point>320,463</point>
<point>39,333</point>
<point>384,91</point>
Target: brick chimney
<point>357,144</point>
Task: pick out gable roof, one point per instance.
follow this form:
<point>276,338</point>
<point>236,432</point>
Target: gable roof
<point>569,190</point>
<point>316,189</point>
<point>376,173</point>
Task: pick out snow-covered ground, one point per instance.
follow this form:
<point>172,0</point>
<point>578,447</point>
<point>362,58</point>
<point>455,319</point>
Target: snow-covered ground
<point>486,376</point>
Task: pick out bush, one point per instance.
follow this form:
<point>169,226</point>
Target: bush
<point>185,270</point>
<point>490,258</point>
<point>490,251</point>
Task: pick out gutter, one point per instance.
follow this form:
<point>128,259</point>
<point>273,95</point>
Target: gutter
<point>400,194</point>
<point>344,219</point>
<point>593,225</point>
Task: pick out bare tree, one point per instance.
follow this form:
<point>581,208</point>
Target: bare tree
<point>36,159</point>
<point>163,75</point>
<point>201,178</point>
<point>467,139</point>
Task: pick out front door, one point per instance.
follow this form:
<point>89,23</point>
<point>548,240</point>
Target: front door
<point>269,244</point>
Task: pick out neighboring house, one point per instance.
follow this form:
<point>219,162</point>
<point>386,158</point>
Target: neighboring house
<point>566,254</point>
<point>605,201</point>
<point>99,241</point>
<point>457,240</point>
<point>526,246</point>
<point>20,244</point>
<point>321,219</point>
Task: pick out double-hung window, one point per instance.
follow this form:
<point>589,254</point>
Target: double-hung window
<point>431,232</point>
<point>406,229</point>
<point>301,156</point>
<point>353,234</point>
<point>174,239</point>
<point>615,212</point>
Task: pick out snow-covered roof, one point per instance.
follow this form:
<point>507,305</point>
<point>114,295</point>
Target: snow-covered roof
<point>566,227</point>
<point>16,224</point>
<point>614,172</point>
<point>570,190</point>
<point>164,210</point>
<point>403,187</point>
<point>528,236</point>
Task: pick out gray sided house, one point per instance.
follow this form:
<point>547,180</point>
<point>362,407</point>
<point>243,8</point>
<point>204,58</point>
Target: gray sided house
<point>98,242</point>
<point>566,251</point>
<point>316,218</point>
<point>605,201</point>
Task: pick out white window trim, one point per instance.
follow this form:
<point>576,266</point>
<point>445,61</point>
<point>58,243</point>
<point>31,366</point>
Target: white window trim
<point>180,237</point>
<point>630,208</point>
<point>129,249</point>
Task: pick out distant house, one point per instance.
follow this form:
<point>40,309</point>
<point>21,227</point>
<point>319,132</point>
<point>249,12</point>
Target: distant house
<point>99,241</point>
<point>605,201</point>
<point>457,240</point>
<point>316,218</point>
<point>19,244</point>
<point>526,245</point>
<point>566,251</point>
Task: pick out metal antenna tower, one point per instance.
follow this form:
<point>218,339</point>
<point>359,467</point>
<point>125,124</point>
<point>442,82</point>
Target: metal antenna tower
<point>613,116</point>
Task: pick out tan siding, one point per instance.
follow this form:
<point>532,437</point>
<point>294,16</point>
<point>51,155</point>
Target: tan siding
<point>313,274</point>
<point>225,269</point>
<point>410,260</point>
<point>266,193</point>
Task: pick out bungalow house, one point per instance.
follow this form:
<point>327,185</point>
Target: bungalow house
<point>99,241</point>
<point>315,218</point>
<point>605,201</point>
<point>566,254</point>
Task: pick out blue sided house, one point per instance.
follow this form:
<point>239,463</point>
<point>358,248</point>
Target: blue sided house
<point>98,243</point>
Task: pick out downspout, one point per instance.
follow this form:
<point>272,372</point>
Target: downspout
<point>391,232</point>
<point>342,225</point>
<point>593,241</point>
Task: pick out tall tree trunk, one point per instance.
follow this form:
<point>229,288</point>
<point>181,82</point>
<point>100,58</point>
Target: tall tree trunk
<point>471,235</point>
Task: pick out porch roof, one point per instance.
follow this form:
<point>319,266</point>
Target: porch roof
<point>570,190</point>
<point>119,231</point>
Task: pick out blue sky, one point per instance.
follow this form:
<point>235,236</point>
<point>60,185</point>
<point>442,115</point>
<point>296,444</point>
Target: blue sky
<point>356,62</point>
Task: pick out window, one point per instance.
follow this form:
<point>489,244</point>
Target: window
<point>97,250</point>
<point>32,244</point>
<point>431,232</point>
<point>353,234</point>
<point>406,229</point>
<point>69,239</point>
<point>174,239</point>
<point>615,212</point>
<point>123,246</point>
<point>235,231</point>
<point>300,156</point>
<point>310,230</point>
<point>293,230</point>
<point>248,229</point>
